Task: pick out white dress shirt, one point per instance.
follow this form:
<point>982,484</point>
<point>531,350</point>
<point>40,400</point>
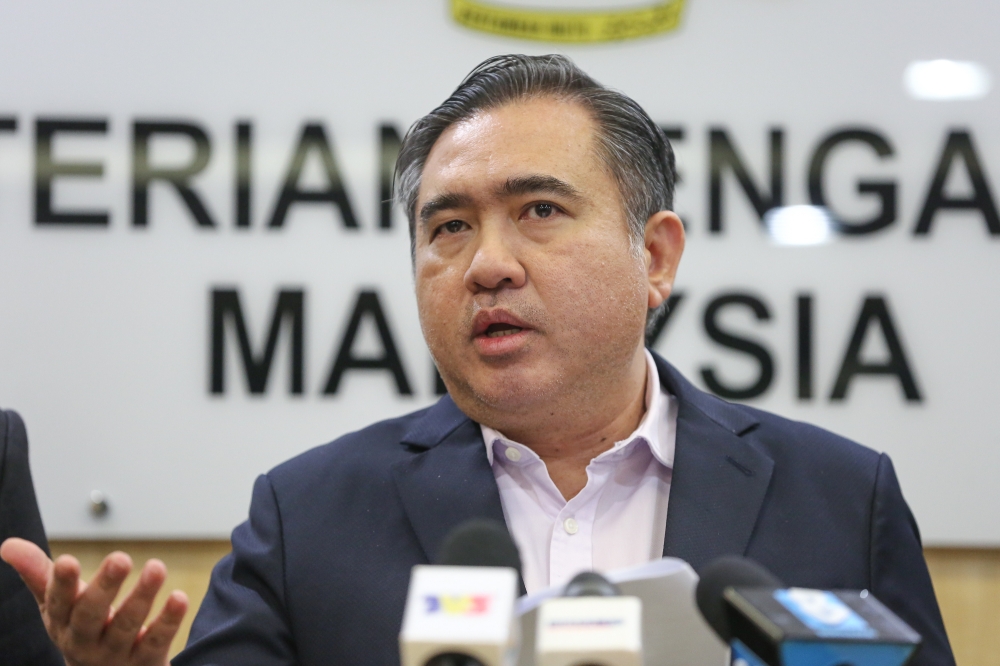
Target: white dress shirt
<point>619,517</point>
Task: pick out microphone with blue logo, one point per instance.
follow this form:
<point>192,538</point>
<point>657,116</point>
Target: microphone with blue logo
<point>460,611</point>
<point>766,624</point>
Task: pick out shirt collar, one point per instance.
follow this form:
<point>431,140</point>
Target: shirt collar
<point>657,427</point>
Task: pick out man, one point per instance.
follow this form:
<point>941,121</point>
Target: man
<point>539,206</point>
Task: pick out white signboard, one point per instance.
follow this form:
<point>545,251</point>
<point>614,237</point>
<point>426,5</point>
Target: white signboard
<point>199,277</point>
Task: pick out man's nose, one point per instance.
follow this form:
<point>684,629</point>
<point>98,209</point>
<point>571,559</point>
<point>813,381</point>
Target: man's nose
<point>495,264</point>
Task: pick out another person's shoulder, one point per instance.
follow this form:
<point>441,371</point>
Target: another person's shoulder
<point>10,423</point>
<point>13,438</point>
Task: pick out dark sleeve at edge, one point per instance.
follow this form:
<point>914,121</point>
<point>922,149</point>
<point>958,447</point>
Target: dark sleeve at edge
<point>23,640</point>
<point>899,575</point>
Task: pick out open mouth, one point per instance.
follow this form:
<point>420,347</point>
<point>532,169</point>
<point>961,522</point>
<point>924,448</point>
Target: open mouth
<point>501,330</point>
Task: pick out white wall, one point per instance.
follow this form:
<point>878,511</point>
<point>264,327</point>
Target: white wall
<point>105,330</point>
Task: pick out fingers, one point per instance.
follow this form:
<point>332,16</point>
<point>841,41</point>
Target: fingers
<point>154,643</point>
<point>79,616</point>
<point>60,594</point>
<point>121,633</point>
<point>31,562</point>
<point>90,612</point>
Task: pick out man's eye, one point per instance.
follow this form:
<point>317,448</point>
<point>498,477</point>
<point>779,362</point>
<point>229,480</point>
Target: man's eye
<point>452,226</point>
<point>543,209</point>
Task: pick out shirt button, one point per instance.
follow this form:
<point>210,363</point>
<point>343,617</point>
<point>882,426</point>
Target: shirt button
<point>512,454</point>
<point>570,526</point>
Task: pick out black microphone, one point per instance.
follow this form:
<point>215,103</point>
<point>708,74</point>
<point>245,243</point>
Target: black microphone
<point>728,571</point>
<point>460,610</point>
<point>590,584</point>
<point>766,625</point>
<point>479,543</point>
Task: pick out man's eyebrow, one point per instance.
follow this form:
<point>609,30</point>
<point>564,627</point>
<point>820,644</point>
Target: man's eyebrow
<point>538,183</point>
<point>513,186</point>
<point>443,202</point>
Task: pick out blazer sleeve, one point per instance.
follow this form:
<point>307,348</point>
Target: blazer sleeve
<point>243,619</point>
<point>23,639</point>
<point>899,573</point>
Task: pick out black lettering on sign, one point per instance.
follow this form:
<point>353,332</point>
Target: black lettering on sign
<point>313,139</point>
<point>47,169</point>
<point>8,124</point>
<point>290,306</point>
<point>368,305</point>
<point>676,133</point>
<point>804,310</point>
<point>656,326</point>
<point>388,144</point>
<point>740,344</point>
<point>143,173</point>
<point>884,190</point>
<point>722,156</point>
<point>673,132</point>
<point>244,154</point>
<point>959,145</point>
<point>875,310</point>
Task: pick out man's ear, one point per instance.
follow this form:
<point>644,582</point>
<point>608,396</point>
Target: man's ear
<point>664,246</point>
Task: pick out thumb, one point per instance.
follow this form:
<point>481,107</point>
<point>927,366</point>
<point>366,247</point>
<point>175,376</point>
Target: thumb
<point>30,562</point>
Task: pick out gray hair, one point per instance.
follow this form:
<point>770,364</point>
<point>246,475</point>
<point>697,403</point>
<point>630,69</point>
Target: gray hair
<point>634,148</point>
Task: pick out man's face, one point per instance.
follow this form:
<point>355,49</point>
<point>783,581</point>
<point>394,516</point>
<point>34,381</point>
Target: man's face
<point>528,290</point>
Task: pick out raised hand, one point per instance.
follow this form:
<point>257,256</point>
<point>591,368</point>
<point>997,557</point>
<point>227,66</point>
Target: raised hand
<point>79,616</point>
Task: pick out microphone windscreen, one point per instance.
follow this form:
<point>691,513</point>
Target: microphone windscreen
<point>480,543</point>
<point>729,571</point>
<point>590,584</point>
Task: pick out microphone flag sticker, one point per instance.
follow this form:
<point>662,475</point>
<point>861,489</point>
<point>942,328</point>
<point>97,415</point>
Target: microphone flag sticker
<point>457,604</point>
<point>538,20</point>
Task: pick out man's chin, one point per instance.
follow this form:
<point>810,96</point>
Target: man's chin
<point>509,387</point>
<point>515,393</point>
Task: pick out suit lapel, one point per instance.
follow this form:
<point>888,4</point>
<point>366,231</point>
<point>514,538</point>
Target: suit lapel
<point>717,489</point>
<point>448,481</point>
<point>719,479</point>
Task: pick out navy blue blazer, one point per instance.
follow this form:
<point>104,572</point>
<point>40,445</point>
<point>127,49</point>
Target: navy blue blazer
<point>318,574</point>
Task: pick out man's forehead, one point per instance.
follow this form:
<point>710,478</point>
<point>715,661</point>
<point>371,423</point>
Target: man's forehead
<point>523,119</point>
<point>536,109</point>
<point>542,143</point>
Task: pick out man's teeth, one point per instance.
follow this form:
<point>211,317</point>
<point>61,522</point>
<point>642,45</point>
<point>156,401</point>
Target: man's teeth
<point>503,332</point>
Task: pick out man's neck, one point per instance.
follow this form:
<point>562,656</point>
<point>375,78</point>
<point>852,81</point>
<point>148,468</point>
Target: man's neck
<point>567,441</point>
